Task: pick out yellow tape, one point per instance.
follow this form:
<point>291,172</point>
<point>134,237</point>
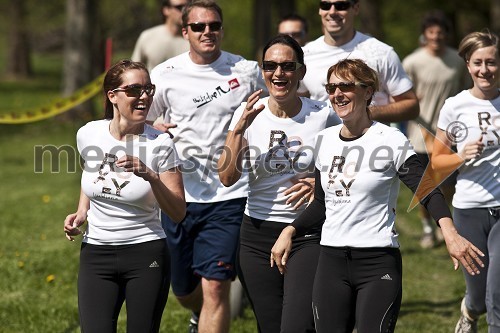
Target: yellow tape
<point>57,107</point>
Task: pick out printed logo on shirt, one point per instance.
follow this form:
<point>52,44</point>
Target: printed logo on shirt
<point>154,264</point>
<point>336,169</point>
<point>107,166</point>
<point>489,124</point>
<point>210,96</point>
<point>233,84</point>
<point>283,153</point>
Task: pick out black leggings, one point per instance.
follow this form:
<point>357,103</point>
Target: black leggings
<point>138,273</point>
<point>281,303</point>
<point>357,286</point>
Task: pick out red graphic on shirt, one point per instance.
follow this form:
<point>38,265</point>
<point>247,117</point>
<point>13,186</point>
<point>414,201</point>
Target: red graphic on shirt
<point>234,83</point>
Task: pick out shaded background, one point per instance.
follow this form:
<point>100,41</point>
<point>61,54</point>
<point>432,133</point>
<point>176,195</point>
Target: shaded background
<point>78,32</point>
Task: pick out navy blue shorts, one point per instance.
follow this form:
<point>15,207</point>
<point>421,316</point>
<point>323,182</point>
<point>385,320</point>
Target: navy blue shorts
<point>204,244</point>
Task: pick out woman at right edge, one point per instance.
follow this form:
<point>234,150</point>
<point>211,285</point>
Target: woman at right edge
<point>359,275</point>
<point>476,202</point>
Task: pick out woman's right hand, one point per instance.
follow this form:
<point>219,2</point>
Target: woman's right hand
<point>250,112</point>
<point>72,222</point>
<point>281,249</point>
<point>472,150</point>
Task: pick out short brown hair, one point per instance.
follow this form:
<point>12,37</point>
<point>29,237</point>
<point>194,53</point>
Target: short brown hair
<point>355,70</point>
<point>208,4</point>
<point>476,40</point>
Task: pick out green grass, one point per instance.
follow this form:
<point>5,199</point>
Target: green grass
<point>38,266</point>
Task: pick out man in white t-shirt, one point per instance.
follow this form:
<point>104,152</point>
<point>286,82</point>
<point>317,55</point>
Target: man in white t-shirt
<point>396,101</point>
<point>163,41</point>
<point>197,93</point>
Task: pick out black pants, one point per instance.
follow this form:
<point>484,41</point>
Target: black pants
<point>357,286</point>
<point>138,273</point>
<point>281,303</point>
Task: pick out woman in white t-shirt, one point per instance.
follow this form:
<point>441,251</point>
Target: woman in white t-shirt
<point>276,135</point>
<point>358,167</point>
<point>130,172</point>
<point>471,121</point>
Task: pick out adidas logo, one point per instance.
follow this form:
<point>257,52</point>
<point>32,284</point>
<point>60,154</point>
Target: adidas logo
<point>386,277</point>
<point>154,264</point>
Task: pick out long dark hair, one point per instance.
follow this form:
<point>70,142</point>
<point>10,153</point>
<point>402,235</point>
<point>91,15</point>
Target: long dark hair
<point>114,79</point>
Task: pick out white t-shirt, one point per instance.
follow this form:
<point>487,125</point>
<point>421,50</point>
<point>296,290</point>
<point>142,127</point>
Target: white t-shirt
<point>157,44</point>
<point>361,185</point>
<point>281,152</point>
<point>201,100</point>
<point>319,56</point>
<point>123,208</point>
<point>465,117</point>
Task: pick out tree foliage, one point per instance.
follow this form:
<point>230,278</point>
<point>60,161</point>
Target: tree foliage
<point>395,22</point>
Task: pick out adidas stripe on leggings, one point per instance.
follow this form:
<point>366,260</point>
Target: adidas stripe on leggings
<point>357,286</point>
<point>109,275</point>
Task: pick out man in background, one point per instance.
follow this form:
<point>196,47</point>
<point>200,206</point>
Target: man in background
<point>395,101</point>
<point>163,41</point>
<point>437,72</point>
<point>295,26</point>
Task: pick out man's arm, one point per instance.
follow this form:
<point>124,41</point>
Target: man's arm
<point>404,107</point>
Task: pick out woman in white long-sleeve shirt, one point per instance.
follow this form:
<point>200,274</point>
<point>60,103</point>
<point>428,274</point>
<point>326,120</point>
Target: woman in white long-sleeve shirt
<point>358,168</point>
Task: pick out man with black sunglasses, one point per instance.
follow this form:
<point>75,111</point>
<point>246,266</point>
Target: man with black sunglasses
<point>396,101</point>
<point>197,93</point>
<point>163,41</point>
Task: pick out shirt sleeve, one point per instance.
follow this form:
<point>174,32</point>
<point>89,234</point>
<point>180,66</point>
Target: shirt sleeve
<point>411,173</point>
<point>314,215</point>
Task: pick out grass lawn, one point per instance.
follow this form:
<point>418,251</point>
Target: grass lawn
<point>38,266</point>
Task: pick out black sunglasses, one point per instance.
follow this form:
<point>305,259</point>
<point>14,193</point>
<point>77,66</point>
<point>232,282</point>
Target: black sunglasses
<point>136,90</point>
<point>178,7</point>
<point>343,87</point>
<point>200,27</point>
<point>287,66</point>
<point>339,5</point>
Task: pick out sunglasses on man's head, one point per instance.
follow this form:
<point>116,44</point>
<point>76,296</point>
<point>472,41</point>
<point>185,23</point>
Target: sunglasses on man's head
<point>200,27</point>
<point>343,87</point>
<point>136,90</point>
<point>287,66</point>
<point>339,5</point>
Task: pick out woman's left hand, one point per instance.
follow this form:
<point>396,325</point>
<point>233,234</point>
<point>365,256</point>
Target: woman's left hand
<point>133,164</point>
<point>301,192</point>
<point>460,249</point>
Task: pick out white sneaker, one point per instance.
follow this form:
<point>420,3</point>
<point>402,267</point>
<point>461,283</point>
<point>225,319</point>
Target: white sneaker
<point>427,241</point>
<point>466,324</point>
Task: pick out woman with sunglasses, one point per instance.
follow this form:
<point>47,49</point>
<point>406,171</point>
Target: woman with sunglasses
<point>276,136</point>
<point>358,167</point>
<point>471,121</point>
<point>130,172</point>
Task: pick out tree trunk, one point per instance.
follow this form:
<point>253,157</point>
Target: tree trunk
<point>81,43</point>
<point>286,7</point>
<point>495,16</point>
<point>262,25</point>
<point>370,18</point>
<point>18,58</point>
